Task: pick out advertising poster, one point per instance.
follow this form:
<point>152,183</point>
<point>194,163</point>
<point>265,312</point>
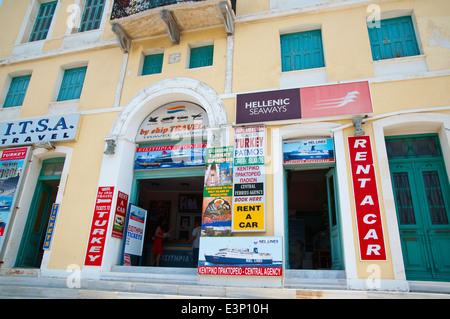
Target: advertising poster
<point>119,216</point>
<point>174,121</point>
<point>342,100</point>
<point>170,156</point>
<point>240,256</point>
<point>218,192</point>
<point>50,227</point>
<point>367,206</point>
<point>99,227</point>
<point>135,228</point>
<point>13,163</point>
<point>308,151</point>
<point>249,178</point>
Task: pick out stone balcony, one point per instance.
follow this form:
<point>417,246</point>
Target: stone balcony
<point>139,19</point>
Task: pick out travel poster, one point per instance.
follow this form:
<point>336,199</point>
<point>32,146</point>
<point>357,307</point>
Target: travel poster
<point>170,156</point>
<point>249,178</point>
<point>241,256</point>
<point>13,163</point>
<point>308,151</point>
<point>218,192</point>
<point>135,228</point>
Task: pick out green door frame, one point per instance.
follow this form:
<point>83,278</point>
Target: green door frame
<point>424,244</point>
<point>331,172</point>
<point>30,234</point>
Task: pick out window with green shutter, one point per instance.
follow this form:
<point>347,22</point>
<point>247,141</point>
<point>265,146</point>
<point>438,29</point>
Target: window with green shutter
<point>17,90</point>
<point>202,56</point>
<point>153,64</point>
<point>72,84</point>
<point>301,50</point>
<point>43,21</point>
<point>393,39</point>
<point>92,15</point>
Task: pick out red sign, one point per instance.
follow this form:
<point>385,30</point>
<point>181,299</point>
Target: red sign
<point>336,100</point>
<point>99,227</point>
<point>240,271</point>
<point>14,154</point>
<point>368,213</point>
<point>119,217</point>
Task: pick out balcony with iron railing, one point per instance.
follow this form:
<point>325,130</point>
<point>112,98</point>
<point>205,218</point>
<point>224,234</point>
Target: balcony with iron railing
<point>139,19</point>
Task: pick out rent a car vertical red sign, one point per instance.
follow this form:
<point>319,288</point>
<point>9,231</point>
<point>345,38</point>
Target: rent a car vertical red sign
<point>367,206</point>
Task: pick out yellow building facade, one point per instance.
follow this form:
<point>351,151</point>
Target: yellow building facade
<point>342,106</point>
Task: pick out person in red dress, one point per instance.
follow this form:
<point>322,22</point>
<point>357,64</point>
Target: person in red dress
<point>160,234</point>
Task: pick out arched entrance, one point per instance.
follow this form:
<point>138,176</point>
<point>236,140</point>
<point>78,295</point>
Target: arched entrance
<point>118,164</point>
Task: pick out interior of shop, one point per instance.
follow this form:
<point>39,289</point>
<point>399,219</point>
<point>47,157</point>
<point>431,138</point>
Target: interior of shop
<point>176,202</point>
<point>308,219</point>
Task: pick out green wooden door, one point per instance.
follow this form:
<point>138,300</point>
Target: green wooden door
<point>31,242</point>
<point>422,197</point>
<point>30,251</point>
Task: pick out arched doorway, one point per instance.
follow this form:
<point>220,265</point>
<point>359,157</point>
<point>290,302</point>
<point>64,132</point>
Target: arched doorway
<point>116,166</point>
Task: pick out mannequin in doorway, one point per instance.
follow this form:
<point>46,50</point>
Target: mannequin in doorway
<point>160,234</point>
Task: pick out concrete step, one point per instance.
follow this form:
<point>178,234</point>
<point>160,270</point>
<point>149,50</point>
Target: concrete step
<point>315,279</point>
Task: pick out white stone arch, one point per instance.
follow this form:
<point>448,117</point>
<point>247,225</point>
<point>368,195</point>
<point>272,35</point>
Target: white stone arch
<point>413,123</point>
<point>163,92</point>
<point>116,169</point>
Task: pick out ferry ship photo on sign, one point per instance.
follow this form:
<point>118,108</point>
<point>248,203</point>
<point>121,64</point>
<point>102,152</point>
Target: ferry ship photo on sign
<point>239,256</point>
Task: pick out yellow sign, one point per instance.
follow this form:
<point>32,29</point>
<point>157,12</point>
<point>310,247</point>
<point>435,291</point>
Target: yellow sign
<point>248,217</point>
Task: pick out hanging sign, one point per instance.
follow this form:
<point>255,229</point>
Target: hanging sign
<point>249,178</point>
<point>241,256</point>
<point>170,156</point>
<point>308,151</point>
<point>368,213</point>
<point>174,121</point>
<point>119,217</point>
<point>218,192</point>
<point>13,163</point>
<point>39,130</point>
<point>99,227</point>
<point>50,227</point>
<point>135,229</point>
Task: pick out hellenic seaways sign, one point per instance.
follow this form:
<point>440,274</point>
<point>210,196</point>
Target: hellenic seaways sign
<point>38,130</point>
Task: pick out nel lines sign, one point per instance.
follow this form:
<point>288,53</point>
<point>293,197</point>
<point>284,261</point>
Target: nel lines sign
<point>368,213</point>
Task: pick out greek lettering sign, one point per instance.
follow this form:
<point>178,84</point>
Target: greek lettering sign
<point>241,256</point>
<point>135,229</point>
<point>38,130</point>
<point>249,178</point>
<point>368,213</point>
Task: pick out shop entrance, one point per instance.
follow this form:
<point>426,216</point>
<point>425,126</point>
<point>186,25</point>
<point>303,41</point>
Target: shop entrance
<point>174,204</point>
<point>30,251</point>
<point>313,220</point>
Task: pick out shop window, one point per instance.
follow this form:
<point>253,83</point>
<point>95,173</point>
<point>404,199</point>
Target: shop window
<point>17,90</point>
<point>153,64</point>
<point>201,56</point>
<point>72,84</point>
<point>92,15</point>
<point>43,21</point>
<point>394,38</point>
<point>302,50</point>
